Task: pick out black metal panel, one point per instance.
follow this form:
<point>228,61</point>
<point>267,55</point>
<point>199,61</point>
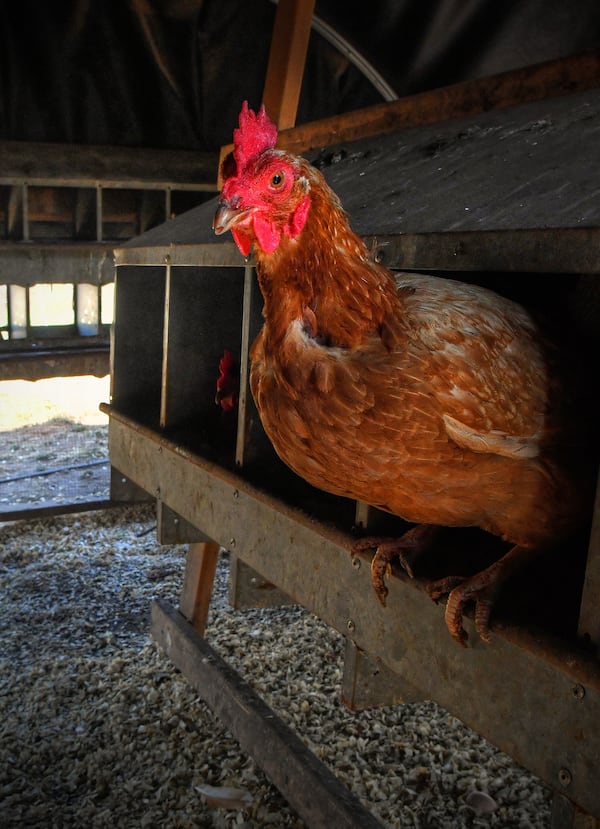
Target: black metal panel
<point>137,342</point>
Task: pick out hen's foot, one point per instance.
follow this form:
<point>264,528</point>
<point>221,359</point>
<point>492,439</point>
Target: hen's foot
<point>482,588</point>
<point>461,590</point>
<point>407,549</point>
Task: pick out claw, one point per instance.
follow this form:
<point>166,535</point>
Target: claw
<point>483,610</point>
<point>461,590</point>
<point>406,549</point>
<point>454,617</point>
<point>380,568</point>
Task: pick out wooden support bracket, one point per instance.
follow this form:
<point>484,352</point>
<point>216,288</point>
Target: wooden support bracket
<point>172,528</point>
<point>247,588</point>
<point>124,489</point>
<point>566,815</point>
<point>368,683</point>
<point>200,568</point>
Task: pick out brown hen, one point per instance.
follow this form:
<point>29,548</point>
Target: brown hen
<point>431,399</point>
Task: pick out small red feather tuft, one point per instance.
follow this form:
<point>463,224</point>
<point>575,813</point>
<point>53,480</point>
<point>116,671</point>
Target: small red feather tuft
<point>228,382</point>
<point>256,133</point>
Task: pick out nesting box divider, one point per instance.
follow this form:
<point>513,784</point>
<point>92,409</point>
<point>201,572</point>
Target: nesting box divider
<point>137,348</point>
<point>203,308</point>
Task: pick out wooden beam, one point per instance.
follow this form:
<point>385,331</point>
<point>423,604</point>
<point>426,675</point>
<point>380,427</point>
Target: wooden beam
<point>531,83</point>
<point>285,70</point>
<point>200,568</point>
<point>518,86</point>
<point>32,365</point>
<point>305,782</point>
<point>74,165</point>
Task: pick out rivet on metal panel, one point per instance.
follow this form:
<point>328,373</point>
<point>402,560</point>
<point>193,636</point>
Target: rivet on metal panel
<point>578,691</point>
<point>356,563</point>
<point>565,778</point>
<point>350,625</point>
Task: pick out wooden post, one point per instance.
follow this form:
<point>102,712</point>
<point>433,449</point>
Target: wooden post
<point>285,69</point>
<point>289,45</point>
<point>200,568</point>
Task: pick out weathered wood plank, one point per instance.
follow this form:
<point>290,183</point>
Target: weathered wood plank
<point>306,783</point>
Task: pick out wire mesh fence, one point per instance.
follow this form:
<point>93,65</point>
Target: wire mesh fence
<point>53,444</point>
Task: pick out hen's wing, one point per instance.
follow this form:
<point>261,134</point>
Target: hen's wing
<point>483,362</point>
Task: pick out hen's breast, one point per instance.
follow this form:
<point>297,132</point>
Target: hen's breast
<point>446,428</point>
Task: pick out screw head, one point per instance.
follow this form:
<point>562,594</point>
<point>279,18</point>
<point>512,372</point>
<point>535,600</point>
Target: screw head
<point>232,542</point>
<point>350,625</point>
<point>565,777</point>
<point>356,563</point>
<point>578,691</point>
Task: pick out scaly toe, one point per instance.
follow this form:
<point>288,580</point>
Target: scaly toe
<point>443,587</point>
<point>380,567</point>
<point>454,616</point>
<point>365,544</point>
<point>483,609</point>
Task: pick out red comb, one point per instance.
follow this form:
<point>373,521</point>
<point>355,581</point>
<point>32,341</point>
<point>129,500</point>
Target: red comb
<point>256,133</point>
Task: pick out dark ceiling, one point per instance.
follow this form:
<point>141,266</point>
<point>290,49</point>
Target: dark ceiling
<point>172,73</point>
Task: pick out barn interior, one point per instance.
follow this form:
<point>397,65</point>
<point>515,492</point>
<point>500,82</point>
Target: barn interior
<point>462,142</point>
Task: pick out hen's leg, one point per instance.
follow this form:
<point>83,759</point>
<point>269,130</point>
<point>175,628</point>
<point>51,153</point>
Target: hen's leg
<point>482,588</point>
<point>407,549</point>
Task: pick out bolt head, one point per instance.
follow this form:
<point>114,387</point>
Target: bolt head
<point>565,777</point>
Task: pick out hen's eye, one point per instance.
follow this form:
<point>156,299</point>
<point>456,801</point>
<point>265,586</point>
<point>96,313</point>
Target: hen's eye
<point>276,180</point>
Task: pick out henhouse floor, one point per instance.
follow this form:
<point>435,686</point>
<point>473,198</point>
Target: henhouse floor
<point>54,449</point>
<point>98,729</point>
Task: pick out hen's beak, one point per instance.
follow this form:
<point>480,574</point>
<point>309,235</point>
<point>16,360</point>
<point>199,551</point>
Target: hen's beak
<point>227,217</point>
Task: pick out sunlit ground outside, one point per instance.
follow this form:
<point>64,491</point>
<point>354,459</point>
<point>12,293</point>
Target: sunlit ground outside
<point>53,442</point>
